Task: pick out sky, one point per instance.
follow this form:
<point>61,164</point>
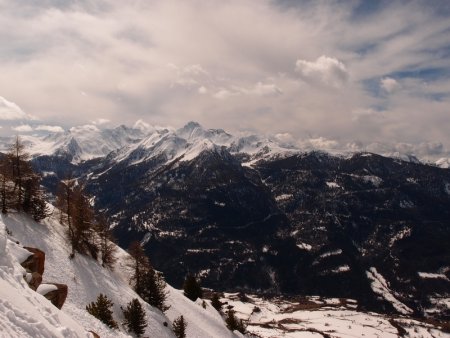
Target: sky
<point>350,72</point>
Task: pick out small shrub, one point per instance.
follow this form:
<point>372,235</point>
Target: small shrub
<point>101,309</point>
<point>233,323</point>
<point>179,327</point>
<point>135,317</point>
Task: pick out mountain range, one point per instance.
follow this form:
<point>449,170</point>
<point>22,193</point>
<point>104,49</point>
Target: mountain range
<point>254,214</point>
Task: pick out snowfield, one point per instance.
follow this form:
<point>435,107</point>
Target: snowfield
<point>25,313</point>
<point>316,317</point>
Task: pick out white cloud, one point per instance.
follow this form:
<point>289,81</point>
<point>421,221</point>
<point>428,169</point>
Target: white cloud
<point>325,70</point>
<point>152,59</point>
<point>223,94</point>
<point>389,84</point>
<point>100,121</point>
<point>53,129</point>
<point>265,89</point>
<point>285,138</point>
<point>11,111</point>
<point>323,143</point>
<point>83,128</point>
<point>24,128</point>
<point>143,126</point>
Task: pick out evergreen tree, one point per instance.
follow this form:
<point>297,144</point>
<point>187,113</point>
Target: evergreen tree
<point>179,327</point>
<point>234,323</point>
<point>192,288</point>
<point>153,289</point>
<point>216,303</point>
<point>140,264</point>
<point>34,202</point>
<point>101,309</point>
<point>135,317</point>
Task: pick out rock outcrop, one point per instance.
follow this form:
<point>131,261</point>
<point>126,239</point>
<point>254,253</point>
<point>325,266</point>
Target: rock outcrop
<point>35,265</point>
<point>36,261</point>
<point>54,292</point>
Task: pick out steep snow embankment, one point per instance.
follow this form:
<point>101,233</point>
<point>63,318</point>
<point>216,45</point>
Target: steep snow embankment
<point>85,279</point>
<point>23,312</point>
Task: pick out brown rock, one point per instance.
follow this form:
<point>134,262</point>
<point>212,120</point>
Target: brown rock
<point>34,279</point>
<point>56,296</point>
<point>95,335</point>
<point>35,262</point>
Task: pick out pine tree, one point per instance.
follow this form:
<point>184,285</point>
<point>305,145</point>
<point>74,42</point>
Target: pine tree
<point>34,202</point>
<point>192,288</point>
<point>234,323</point>
<point>139,263</point>
<point>101,309</point>
<point>179,327</point>
<point>216,303</point>
<point>135,317</point>
<point>153,290</point>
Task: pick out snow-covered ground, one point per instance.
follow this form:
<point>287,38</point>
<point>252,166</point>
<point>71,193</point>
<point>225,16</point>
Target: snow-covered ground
<point>317,317</point>
<point>25,313</point>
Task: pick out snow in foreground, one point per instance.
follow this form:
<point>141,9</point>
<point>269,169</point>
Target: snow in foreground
<point>25,313</point>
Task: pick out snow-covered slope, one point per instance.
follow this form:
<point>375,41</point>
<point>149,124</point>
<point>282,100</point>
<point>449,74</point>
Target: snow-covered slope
<point>80,143</point>
<point>142,143</point>
<point>316,317</point>
<point>24,313</point>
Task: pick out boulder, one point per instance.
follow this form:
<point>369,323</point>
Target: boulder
<point>95,335</point>
<point>35,262</point>
<point>54,292</point>
<point>34,279</point>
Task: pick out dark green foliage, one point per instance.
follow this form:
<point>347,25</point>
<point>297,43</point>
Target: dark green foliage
<point>101,309</point>
<point>179,327</point>
<point>153,289</point>
<point>234,323</point>
<point>216,303</point>
<point>192,288</point>
<point>135,317</point>
<point>138,261</point>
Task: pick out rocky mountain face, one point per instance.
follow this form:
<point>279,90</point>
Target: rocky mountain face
<point>246,214</point>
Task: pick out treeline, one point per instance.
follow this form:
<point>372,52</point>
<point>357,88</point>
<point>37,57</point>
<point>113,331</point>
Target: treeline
<point>20,187</point>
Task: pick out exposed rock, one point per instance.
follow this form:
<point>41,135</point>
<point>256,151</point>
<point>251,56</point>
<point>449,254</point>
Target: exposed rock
<point>35,262</point>
<point>34,279</point>
<point>95,335</point>
<point>54,292</point>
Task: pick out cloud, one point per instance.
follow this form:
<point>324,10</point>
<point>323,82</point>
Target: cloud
<point>24,128</point>
<point>323,143</point>
<point>84,128</point>
<point>306,68</point>
<point>389,84</point>
<point>11,111</point>
<point>325,70</point>
<point>143,126</point>
<point>100,121</point>
<point>53,129</point>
